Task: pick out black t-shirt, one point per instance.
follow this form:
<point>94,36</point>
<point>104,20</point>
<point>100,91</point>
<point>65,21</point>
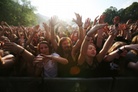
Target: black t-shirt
<point>88,71</point>
<point>64,70</point>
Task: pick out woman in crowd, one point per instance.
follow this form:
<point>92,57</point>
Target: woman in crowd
<point>89,60</point>
<point>117,57</point>
<point>46,62</point>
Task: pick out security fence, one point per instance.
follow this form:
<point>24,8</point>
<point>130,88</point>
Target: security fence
<point>31,84</point>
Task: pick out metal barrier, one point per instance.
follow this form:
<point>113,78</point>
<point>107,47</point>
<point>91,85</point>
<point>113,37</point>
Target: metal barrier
<point>31,84</point>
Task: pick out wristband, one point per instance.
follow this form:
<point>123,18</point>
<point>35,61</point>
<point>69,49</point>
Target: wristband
<point>119,51</point>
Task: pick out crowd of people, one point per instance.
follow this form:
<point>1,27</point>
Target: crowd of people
<point>89,50</point>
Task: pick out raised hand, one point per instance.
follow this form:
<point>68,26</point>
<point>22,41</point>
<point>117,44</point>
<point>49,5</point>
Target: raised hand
<point>102,18</point>
<point>78,20</point>
<point>95,20</point>
<point>12,47</point>
<point>53,21</point>
<point>113,30</point>
<point>87,23</point>
<point>36,28</point>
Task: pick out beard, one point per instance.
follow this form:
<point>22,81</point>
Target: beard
<point>67,49</point>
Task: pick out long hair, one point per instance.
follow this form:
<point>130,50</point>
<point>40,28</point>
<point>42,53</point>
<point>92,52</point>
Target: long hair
<point>135,40</point>
<point>116,45</point>
<point>60,49</point>
<point>44,42</point>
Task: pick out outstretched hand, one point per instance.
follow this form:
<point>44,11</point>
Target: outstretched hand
<point>53,21</point>
<point>12,47</point>
<point>87,23</point>
<point>78,20</point>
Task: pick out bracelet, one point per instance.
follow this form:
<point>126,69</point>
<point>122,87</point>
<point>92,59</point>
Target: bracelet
<point>119,51</point>
<point>125,48</point>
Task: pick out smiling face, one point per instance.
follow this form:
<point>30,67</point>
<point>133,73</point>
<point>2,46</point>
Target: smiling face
<point>66,45</point>
<point>91,51</point>
<point>44,49</point>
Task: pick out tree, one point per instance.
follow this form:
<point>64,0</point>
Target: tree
<point>15,13</point>
<point>131,12</point>
<point>110,13</point>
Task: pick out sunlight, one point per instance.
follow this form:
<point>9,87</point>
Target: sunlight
<point>65,9</point>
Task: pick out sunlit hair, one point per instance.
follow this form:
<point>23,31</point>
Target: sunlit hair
<point>64,39</point>
<point>135,40</point>
<point>60,49</point>
<point>44,42</point>
<point>91,43</point>
<point>116,45</point>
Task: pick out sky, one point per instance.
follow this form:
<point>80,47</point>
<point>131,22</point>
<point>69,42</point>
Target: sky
<point>65,9</point>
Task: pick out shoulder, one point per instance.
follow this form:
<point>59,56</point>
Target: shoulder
<point>55,54</point>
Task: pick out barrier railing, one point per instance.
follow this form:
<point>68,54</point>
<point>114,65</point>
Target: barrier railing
<point>31,84</point>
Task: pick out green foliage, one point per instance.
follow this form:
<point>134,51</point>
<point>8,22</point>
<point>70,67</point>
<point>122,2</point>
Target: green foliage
<point>130,12</point>
<point>110,13</point>
<point>15,13</point>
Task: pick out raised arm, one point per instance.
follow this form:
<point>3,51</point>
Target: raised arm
<point>53,22</point>
<point>86,27</point>
<point>85,43</point>
<point>47,32</point>
<point>25,32</point>
<point>95,20</point>
<point>76,47</point>
<point>21,53</point>
<point>56,58</point>
<point>35,30</point>
<point>107,45</point>
<point>120,50</point>
<point>99,41</point>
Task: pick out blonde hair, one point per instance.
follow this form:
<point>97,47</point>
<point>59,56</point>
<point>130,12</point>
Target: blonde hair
<point>116,45</point>
<point>135,40</point>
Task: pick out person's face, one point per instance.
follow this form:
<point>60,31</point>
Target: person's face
<point>91,51</point>
<point>66,46</point>
<point>44,49</point>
